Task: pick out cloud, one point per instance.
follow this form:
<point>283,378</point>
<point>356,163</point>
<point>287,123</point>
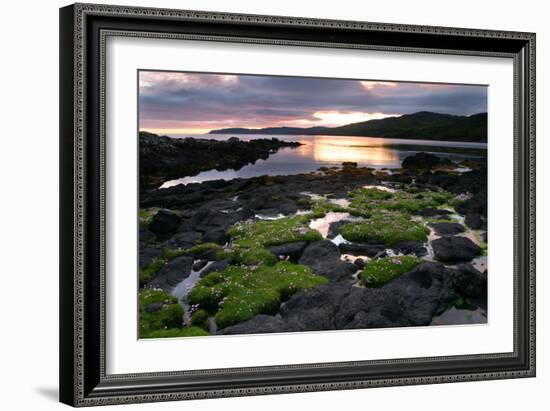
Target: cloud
<point>173,100</point>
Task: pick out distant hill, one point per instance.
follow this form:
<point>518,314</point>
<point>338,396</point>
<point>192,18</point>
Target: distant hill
<point>422,125</point>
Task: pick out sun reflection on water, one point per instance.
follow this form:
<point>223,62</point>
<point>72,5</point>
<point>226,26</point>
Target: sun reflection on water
<point>338,149</point>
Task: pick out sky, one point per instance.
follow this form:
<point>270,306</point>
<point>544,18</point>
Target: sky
<point>180,102</point>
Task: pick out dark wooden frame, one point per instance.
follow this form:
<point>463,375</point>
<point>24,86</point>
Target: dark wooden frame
<point>83,30</point>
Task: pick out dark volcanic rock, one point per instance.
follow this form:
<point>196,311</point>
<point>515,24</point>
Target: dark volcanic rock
<point>172,273</point>
<point>147,255</point>
<point>370,250</point>
<point>411,247</point>
<point>183,239</point>
<point>424,292</point>
<point>475,205</point>
<point>164,222</point>
<point>421,161</point>
<point>324,258</point>
<point>218,266</point>
<point>213,223</point>
<point>214,236</point>
<point>474,221</point>
<point>199,265</point>
<point>319,254</point>
<point>314,309</point>
<point>438,213</point>
<point>455,249</point>
<point>370,308</point>
<point>259,324</point>
<point>291,250</point>
<point>341,271</point>
<point>469,281</point>
<point>446,229</point>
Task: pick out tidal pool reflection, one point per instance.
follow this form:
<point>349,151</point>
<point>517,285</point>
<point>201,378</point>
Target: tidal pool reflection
<point>327,151</point>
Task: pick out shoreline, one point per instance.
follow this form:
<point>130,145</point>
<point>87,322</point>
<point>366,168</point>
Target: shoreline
<point>212,222</point>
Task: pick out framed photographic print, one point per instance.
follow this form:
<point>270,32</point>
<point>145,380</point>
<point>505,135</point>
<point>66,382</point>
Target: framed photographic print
<point>261,204</point>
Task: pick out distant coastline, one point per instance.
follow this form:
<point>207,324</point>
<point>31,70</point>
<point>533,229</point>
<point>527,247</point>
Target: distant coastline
<point>422,125</point>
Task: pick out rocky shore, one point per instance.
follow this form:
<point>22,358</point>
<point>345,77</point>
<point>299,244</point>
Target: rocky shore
<point>162,158</point>
<point>340,248</point>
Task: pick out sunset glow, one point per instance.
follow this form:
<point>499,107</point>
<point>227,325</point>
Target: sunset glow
<point>195,103</point>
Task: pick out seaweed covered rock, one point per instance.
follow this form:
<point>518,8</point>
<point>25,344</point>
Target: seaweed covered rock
<point>381,271</point>
<point>239,293</point>
<point>387,228</point>
<point>455,249</point>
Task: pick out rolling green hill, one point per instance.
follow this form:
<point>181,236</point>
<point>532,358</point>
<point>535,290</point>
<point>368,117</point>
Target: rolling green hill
<point>422,125</point>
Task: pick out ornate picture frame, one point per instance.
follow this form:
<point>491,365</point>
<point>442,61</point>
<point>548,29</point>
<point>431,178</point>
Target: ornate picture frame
<point>84,29</point>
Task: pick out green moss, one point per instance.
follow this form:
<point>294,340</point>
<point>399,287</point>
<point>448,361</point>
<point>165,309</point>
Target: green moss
<point>305,202</point>
<point>251,234</point>
<point>254,256</point>
<point>239,293</point>
<point>250,238</point>
<point>169,313</point>
<point>369,200</point>
<point>201,248</point>
<point>387,228</point>
<point>190,331</point>
<point>149,271</point>
<point>200,319</point>
<point>381,271</point>
<point>322,207</point>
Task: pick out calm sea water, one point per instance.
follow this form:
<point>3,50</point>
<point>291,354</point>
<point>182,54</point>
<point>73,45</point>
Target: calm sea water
<point>319,151</point>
